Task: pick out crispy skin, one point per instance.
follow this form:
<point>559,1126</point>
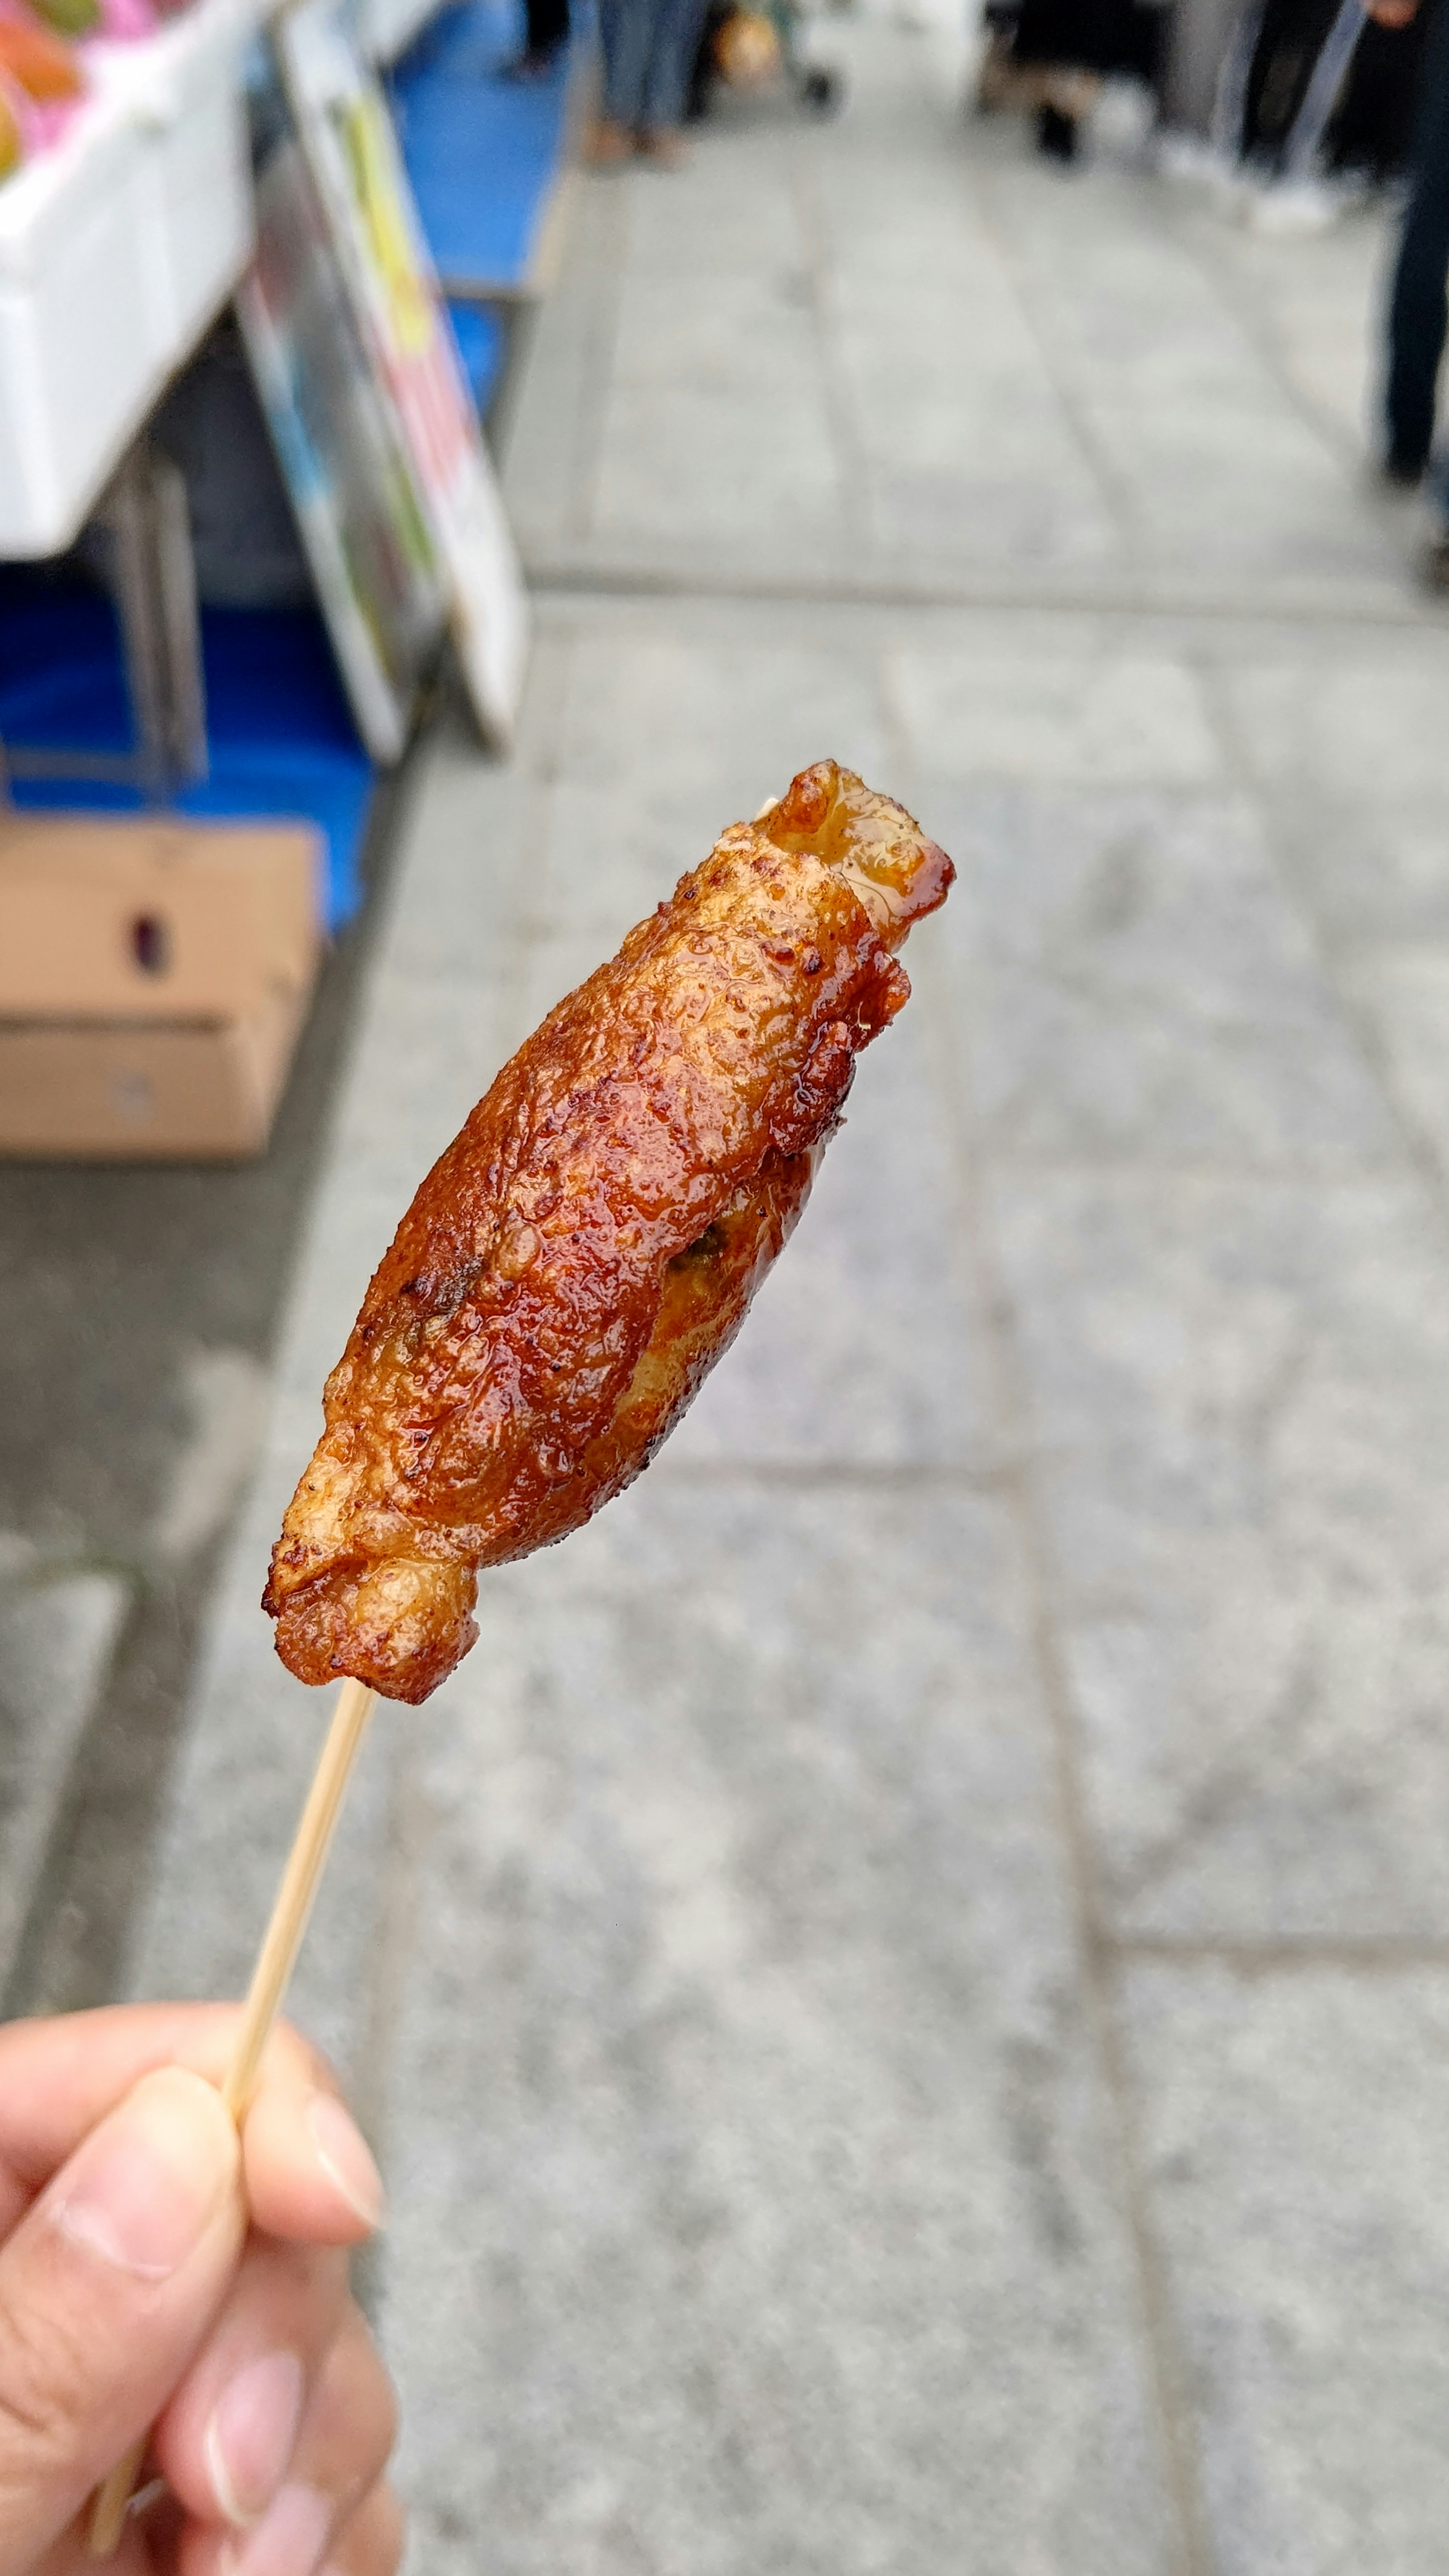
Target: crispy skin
<point>576,1261</point>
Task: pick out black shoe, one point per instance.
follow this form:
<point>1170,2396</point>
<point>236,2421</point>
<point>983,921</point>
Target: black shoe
<point>1403,473</point>
<point>1056,134</point>
<point>532,66</point>
<point>1434,566</point>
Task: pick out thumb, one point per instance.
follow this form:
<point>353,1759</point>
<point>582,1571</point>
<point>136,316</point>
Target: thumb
<point>106,2288</point>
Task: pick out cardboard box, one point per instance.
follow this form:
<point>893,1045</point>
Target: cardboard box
<point>154,977</point>
<point>146,1090</point>
<point>108,918</point>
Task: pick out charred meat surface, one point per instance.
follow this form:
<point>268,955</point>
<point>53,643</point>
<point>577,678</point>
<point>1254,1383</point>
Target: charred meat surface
<point>577,1260</point>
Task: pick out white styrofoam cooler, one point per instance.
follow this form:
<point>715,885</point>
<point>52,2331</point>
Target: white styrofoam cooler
<point>115,250</point>
<point>186,92</point>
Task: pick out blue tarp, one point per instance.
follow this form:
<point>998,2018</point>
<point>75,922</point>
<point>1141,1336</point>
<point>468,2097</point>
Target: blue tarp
<point>282,741</point>
<point>480,337</point>
<point>482,152</point>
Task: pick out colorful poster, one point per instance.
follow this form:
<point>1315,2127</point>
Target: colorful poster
<point>352,152</point>
<point>379,577</point>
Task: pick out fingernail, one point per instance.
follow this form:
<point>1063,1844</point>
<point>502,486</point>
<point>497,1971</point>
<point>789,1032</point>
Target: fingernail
<point>344,2155</point>
<point>288,2541</point>
<point>143,2190</point>
<point>252,2434</point>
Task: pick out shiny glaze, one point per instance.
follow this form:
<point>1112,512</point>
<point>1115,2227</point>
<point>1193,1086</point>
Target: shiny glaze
<point>579,1257</point>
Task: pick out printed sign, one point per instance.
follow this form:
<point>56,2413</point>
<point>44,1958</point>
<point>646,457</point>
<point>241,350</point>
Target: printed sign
<point>352,152</point>
<point>379,577</point>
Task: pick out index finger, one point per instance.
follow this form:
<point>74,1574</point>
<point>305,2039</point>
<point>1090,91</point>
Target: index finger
<point>59,2078</point>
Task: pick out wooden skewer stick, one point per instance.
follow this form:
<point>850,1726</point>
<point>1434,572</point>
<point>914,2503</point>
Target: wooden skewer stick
<point>270,1978</point>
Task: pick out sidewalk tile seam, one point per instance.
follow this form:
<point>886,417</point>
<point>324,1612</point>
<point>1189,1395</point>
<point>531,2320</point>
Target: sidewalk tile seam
<point>1082,1866</point>
<point>1421,1155</point>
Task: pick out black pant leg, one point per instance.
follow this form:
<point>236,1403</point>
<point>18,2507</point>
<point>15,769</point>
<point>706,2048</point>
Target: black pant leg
<point>548,25</point>
<point>1417,307</point>
<point>1291,36</point>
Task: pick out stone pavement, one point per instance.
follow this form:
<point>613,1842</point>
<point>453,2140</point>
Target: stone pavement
<point>903,1990</point>
<point>138,1305</point>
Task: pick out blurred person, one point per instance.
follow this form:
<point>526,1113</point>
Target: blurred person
<point>1320,86</point>
<point>1056,56</point>
<point>161,2274</point>
<point>1197,44</point>
<point>1287,38</point>
<point>994,77</point>
<point>546,35</point>
<point>1417,307</point>
<point>649,49</point>
<point>1371,132</point>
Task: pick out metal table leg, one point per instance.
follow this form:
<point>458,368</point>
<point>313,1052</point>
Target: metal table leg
<point>154,576</point>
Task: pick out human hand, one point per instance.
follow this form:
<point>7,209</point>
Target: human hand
<point>1392,13</point>
<point>157,2271</point>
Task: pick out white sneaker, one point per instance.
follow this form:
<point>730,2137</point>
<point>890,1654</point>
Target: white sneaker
<point>1290,206</point>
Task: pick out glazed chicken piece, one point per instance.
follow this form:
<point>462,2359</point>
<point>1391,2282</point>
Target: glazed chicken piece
<point>577,1260</point>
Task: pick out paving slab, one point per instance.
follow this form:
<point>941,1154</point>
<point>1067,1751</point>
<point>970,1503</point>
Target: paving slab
<point>1363,727</point>
<point>1292,2127</point>
<point>1239,1393</point>
<point>1097,717</point>
<point>1402,992</point>
<point>1313,304</point>
<point>740,2019</point>
<point>58,1630</point>
<point>1371,870</point>
<point>1131,978</point>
